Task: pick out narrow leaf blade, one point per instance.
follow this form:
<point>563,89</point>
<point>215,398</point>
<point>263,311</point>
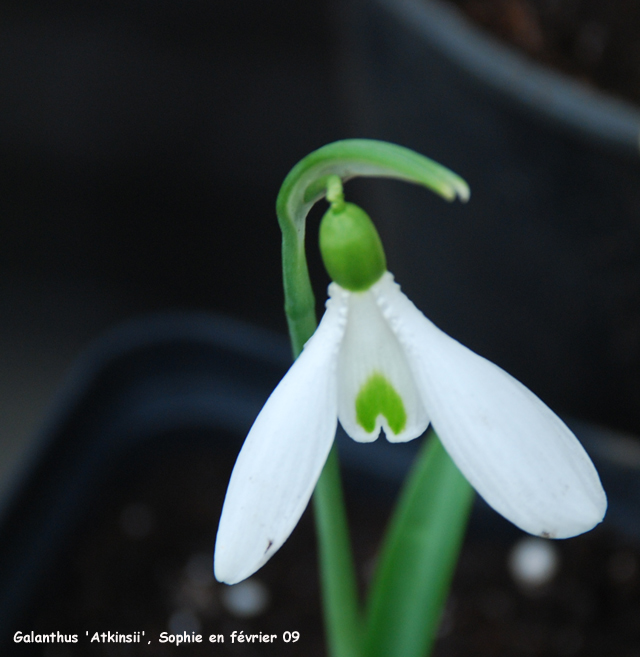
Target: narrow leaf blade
<point>418,557</point>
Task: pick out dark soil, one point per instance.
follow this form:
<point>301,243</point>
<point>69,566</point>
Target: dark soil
<point>142,563</point>
<point>594,40</point>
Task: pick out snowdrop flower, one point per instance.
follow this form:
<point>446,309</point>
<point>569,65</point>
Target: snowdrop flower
<point>377,363</point>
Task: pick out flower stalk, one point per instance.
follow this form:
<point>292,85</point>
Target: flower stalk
<point>342,613</point>
<point>337,570</point>
<point>321,174</point>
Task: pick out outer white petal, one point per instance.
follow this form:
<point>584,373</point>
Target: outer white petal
<point>511,447</point>
<point>369,346</point>
<point>282,457</point>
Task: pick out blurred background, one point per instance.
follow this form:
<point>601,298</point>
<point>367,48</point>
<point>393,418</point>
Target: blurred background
<point>142,146</point>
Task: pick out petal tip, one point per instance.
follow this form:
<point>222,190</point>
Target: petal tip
<point>227,569</point>
<point>589,516</point>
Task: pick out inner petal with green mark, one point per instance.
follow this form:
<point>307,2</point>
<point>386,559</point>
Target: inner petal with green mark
<point>378,397</point>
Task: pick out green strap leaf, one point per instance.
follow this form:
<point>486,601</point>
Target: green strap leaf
<point>418,557</point>
<point>305,185</point>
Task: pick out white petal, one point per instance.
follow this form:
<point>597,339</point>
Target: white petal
<point>282,457</point>
<point>512,448</point>
<point>370,348</point>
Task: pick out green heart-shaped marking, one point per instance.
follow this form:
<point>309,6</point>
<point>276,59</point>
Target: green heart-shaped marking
<point>378,397</point>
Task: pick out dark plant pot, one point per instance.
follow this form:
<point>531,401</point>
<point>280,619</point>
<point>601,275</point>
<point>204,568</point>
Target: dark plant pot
<point>540,272</point>
<point>112,529</point>
<point>126,488</point>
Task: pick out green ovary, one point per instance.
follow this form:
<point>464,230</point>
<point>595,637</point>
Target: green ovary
<point>378,397</point>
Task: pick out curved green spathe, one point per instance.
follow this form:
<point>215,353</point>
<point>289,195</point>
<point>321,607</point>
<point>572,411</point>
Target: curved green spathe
<point>307,183</point>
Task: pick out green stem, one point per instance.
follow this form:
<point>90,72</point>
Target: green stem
<point>339,585</point>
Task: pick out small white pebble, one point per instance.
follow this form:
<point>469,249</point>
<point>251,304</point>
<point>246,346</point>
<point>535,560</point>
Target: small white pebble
<point>533,562</point>
<point>246,599</point>
<point>184,620</point>
<point>137,520</point>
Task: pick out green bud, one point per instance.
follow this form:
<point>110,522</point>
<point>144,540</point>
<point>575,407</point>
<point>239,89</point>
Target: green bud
<point>351,248</point>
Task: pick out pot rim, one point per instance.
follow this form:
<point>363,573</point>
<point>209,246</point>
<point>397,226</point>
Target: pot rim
<point>550,94</point>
